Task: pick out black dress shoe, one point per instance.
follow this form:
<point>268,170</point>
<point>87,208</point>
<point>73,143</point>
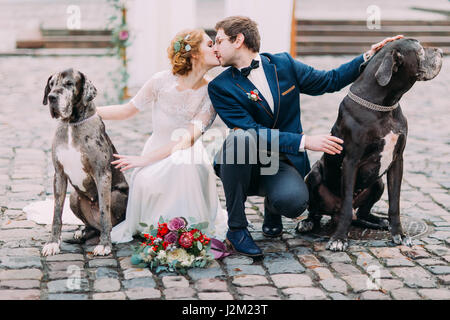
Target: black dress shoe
<point>272,231</point>
<point>272,226</point>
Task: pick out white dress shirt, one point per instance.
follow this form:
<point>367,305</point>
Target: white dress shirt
<point>258,78</point>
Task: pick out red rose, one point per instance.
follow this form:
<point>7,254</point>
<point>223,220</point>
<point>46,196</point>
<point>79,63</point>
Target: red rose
<point>162,230</point>
<point>186,240</point>
<point>165,244</point>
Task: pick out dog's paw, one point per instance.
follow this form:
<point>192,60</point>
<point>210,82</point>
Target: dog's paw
<point>337,245</point>
<point>304,226</point>
<point>50,249</point>
<point>401,239</point>
<point>78,234</point>
<point>102,250</point>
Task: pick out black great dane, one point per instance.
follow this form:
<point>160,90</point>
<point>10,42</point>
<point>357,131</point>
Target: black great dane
<point>374,130</point>
<point>82,153</point>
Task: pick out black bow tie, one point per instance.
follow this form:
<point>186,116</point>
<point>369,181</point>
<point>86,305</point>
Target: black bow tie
<point>246,71</point>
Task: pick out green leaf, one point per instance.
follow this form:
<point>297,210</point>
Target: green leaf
<point>199,245</point>
<point>161,219</point>
<point>177,46</point>
<point>192,220</point>
<point>202,264</point>
<point>161,268</point>
<point>154,232</point>
<point>200,226</point>
<point>182,271</point>
<point>143,224</point>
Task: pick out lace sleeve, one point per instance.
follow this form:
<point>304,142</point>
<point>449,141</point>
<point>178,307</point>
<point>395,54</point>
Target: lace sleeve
<point>146,96</point>
<point>206,115</point>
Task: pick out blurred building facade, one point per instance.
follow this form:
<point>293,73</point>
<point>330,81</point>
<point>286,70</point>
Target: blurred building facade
<point>42,27</point>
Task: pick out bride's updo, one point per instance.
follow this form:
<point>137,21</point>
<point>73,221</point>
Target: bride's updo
<point>185,44</point>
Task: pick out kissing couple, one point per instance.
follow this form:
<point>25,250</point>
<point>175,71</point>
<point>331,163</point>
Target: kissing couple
<point>257,97</point>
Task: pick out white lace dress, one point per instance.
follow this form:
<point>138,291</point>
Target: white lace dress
<point>184,183</point>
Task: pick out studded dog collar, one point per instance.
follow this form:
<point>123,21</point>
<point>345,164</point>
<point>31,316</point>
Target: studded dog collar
<point>370,105</point>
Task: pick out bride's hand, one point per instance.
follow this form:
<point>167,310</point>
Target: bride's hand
<point>129,162</point>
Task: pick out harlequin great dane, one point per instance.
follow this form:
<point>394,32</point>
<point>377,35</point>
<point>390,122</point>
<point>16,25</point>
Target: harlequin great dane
<point>82,153</point>
<point>374,130</point>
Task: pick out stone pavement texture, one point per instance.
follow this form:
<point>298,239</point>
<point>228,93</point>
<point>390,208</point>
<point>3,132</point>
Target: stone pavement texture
<point>294,267</point>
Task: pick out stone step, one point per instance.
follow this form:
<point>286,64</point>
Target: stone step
<point>384,31</point>
<point>79,41</point>
<point>364,41</point>
<point>302,22</point>
<point>58,52</point>
<point>303,50</point>
<point>75,32</point>
<point>322,37</point>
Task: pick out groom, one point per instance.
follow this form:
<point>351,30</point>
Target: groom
<point>258,97</point>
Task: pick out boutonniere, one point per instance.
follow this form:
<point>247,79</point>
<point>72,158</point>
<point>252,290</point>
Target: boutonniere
<point>254,95</point>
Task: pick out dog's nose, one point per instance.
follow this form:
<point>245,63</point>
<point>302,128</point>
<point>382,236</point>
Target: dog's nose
<point>52,98</point>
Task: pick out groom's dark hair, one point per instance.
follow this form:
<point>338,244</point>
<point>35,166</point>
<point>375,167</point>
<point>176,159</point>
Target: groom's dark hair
<point>234,25</point>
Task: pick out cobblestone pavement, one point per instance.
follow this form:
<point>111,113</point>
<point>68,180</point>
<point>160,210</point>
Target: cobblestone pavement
<point>295,266</point>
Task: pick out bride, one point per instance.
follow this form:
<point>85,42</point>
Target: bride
<point>173,176</point>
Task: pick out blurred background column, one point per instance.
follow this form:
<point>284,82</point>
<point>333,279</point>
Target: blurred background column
<point>153,24</point>
<point>274,20</point>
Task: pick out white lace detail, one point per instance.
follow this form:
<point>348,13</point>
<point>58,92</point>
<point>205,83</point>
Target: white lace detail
<point>181,107</point>
<point>206,115</point>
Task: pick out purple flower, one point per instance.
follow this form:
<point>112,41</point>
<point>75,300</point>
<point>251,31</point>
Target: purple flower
<point>176,224</point>
<point>123,35</point>
<point>171,237</point>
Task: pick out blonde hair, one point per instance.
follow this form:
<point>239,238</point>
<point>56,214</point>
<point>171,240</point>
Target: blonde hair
<point>181,60</point>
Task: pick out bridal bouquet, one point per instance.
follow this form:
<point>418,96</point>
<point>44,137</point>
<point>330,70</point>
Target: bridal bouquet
<point>173,246</point>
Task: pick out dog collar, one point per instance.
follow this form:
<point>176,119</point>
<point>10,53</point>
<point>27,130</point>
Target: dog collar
<point>370,105</point>
<point>82,121</point>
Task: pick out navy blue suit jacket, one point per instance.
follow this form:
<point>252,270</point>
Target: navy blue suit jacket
<point>287,78</point>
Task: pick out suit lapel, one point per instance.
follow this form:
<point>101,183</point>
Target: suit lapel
<point>246,86</point>
<point>272,78</point>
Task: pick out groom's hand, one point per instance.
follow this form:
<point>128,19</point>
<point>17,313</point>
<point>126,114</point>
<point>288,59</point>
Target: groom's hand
<point>377,46</point>
<point>324,142</point>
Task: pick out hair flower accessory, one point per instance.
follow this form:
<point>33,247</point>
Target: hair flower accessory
<point>180,43</point>
<point>254,95</point>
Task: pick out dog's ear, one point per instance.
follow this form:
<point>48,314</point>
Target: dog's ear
<point>47,91</point>
<point>388,66</point>
<point>363,65</point>
<point>89,90</point>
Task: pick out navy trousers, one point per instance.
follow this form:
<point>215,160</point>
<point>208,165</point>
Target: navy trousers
<point>285,192</point>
